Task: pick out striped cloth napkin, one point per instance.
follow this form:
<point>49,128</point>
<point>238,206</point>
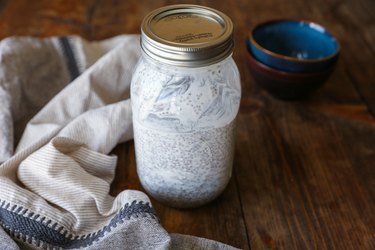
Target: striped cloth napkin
<point>65,103</point>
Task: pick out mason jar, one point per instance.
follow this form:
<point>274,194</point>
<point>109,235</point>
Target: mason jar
<point>185,95</point>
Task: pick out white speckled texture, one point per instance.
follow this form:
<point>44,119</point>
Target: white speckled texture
<point>188,169</point>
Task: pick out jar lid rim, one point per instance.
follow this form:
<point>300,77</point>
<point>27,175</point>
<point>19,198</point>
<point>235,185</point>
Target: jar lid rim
<point>187,35</point>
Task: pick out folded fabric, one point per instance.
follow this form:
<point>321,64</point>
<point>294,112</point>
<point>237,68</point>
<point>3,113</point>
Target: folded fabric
<point>65,103</point>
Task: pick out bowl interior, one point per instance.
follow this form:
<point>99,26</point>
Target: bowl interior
<point>297,39</point>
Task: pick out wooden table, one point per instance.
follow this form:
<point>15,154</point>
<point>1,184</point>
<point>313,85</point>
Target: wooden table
<point>304,172</point>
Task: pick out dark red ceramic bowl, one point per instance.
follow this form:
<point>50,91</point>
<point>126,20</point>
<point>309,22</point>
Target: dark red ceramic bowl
<point>286,85</point>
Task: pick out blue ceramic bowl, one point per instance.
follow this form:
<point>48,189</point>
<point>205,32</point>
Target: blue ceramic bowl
<point>294,46</point>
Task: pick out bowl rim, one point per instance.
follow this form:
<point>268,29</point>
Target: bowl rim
<point>287,74</point>
<point>290,58</point>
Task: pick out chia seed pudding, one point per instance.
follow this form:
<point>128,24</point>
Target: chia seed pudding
<point>184,129</point>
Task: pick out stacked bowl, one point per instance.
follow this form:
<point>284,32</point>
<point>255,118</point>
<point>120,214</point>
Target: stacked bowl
<point>291,58</point>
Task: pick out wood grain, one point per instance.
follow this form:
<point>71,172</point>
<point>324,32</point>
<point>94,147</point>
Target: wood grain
<point>304,175</point>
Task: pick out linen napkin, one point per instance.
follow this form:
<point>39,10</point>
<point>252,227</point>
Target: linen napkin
<point>65,103</point>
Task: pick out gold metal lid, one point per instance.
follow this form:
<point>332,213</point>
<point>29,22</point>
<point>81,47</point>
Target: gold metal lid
<point>187,35</point>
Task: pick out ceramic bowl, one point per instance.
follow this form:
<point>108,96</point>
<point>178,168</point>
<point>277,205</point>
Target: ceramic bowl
<point>293,45</point>
<point>283,84</point>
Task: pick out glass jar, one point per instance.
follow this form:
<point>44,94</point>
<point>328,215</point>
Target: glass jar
<point>185,95</point>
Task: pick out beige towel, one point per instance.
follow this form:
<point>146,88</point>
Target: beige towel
<point>54,188</point>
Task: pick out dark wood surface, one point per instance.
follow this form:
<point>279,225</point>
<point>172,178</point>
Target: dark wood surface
<point>304,172</point>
